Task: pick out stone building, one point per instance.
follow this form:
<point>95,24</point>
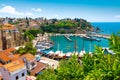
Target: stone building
<point>9,35</point>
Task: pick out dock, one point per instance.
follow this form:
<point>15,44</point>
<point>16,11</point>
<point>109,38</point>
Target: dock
<point>67,37</point>
<point>106,36</point>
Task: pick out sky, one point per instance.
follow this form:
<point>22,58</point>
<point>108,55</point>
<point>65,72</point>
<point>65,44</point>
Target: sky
<point>91,10</point>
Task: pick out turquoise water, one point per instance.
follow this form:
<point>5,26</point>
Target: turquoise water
<point>62,44</point>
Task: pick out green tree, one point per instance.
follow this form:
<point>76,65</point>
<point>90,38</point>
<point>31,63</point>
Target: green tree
<point>27,49</point>
<point>28,36</point>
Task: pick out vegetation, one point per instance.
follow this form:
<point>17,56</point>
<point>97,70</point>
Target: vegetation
<point>27,49</point>
<point>65,26</point>
<point>29,35</point>
<point>100,66</point>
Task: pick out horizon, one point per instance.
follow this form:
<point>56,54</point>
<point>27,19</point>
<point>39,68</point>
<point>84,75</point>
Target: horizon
<point>92,11</point>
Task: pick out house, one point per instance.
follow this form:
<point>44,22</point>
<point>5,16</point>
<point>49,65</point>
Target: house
<point>15,70</point>
<point>50,62</point>
<point>7,56</point>
<point>32,65</point>
<point>29,60</point>
<point>40,66</point>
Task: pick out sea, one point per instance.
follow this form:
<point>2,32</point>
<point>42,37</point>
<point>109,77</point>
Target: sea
<point>78,43</point>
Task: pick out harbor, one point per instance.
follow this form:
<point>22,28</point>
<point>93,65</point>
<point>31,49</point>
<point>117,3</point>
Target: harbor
<point>42,42</point>
<point>49,43</point>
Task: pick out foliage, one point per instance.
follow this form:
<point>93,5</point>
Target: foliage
<point>35,32</point>
<point>99,66</point>
<point>27,49</point>
<point>65,26</point>
<point>48,74</point>
<point>114,42</point>
<point>28,36</point>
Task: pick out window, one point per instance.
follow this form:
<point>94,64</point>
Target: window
<point>33,64</point>
<point>17,77</point>
<point>23,74</point>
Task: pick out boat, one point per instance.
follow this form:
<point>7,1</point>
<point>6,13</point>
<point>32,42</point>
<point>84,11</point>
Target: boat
<point>82,53</point>
<point>68,54</point>
<point>107,50</point>
<point>44,45</point>
<point>91,38</point>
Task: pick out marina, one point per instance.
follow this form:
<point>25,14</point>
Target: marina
<point>66,43</point>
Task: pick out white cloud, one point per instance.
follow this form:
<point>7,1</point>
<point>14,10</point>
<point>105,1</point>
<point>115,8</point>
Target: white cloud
<point>12,10</point>
<point>36,9</point>
<point>117,16</point>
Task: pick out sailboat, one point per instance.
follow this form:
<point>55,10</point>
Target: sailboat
<point>58,51</point>
<point>82,52</point>
<point>75,46</point>
<point>90,52</point>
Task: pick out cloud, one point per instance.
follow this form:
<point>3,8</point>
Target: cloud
<point>117,16</point>
<point>12,10</point>
<point>36,9</point>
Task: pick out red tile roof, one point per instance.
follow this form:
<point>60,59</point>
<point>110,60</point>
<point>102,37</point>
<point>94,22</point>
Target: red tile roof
<point>28,56</point>
<point>9,50</point>
<point>40,66</point>
<point>15,65</point>
<point>8,27</point>
<point>6,55</point>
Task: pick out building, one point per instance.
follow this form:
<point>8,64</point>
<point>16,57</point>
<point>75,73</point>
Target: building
<point>15,70</point>
<point>7,56</point>
<point>29,60</point>
<point>40,67</point>
<point>33,67</point>
<point>9,36</point>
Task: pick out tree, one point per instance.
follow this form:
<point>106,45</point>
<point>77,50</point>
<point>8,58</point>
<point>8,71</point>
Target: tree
<point>28,36</point>
<point>27,49</point>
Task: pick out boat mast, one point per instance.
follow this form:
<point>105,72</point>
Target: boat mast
<point>83,44</point>
<point>90,45</point>
<point>75,45</point>
<point>58,47</point>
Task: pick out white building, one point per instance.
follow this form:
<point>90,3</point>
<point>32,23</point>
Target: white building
<point>15,70</point>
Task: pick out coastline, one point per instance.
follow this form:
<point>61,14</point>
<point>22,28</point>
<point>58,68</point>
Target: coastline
<point>65,43</point>
<point>83,35</point>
